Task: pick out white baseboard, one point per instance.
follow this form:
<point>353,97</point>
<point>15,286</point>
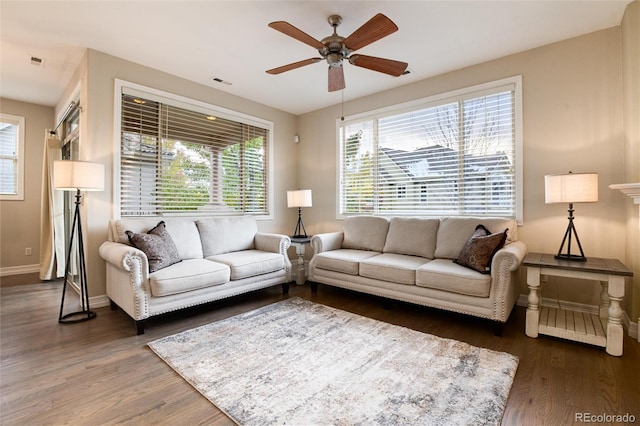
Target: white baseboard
<point>18,270</point>
<point>632,327</point>
<point>99,301</point>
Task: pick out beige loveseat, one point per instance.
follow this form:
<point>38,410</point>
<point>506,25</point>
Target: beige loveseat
<point>413,260</point>
<point>217,258</point>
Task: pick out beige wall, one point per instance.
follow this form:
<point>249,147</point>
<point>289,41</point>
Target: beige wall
<point>631,84</point>
<point>96,77</point>
<point>581,101</point>
<point>572,106</point>
<point>20,220</point>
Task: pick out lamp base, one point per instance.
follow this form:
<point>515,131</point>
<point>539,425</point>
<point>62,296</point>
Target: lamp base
<point>568,235</point>
<point>79,316</point>
<point>300,232</point>
<point>572,257</point>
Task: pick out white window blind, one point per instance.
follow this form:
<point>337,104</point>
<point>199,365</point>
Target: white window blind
<point>456,156</point>
<point>11,157</point>
<point>176,160</point>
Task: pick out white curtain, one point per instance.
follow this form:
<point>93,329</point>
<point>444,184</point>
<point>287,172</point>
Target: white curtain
<point>52,255</point>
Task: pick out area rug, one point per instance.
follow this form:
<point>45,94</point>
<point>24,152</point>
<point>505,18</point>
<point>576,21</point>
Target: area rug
<point>296,362</point>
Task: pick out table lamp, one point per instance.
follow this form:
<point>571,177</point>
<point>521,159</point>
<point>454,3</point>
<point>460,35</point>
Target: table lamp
<point>77,176</point>
<point>571,188</point>
<point>300,198</point>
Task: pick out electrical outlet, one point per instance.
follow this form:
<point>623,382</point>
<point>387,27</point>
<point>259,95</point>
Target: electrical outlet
<point>27,251</point>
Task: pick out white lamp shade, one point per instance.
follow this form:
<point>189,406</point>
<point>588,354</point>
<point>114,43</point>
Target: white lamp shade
<point>571,188</point>
<point>299,198</point>
<point>73,175</point>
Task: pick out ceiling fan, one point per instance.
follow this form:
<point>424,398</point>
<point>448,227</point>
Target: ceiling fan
<point>335,48</point>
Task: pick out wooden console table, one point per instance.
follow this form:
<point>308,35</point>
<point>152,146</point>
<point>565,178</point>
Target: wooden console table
<point>604,329</point>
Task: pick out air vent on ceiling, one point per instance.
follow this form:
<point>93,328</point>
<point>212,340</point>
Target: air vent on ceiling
<point>219,80</point>
<point>38,62</point>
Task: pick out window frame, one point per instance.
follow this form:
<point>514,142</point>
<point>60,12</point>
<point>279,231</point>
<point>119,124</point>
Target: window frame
<point>194,105</point>
<point>514,82</point>
<point>19,121</point>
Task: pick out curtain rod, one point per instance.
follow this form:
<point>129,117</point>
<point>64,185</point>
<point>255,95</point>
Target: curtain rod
<point>64,117</point>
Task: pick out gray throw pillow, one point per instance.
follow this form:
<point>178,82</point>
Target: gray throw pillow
<point>157,244</point>
<point>479,250</point>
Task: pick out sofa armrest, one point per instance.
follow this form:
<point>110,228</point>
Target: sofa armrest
<point>327,241</point>
<point>504,289</point>
<point>509,257</point>
<point>276,243</point>
<point>124,257</point>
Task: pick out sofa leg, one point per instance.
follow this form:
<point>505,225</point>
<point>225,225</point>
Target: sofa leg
<point>113,305</point>
<point>386,304</point>
<point>314,286</point>
<point>497,328</point>
<point>285,288</point>
<point>140,327</point>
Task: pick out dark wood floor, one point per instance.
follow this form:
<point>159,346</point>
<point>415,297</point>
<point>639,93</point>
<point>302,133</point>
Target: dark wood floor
<point>100,373</point>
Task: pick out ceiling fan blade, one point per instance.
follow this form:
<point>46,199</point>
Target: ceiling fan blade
<point>293,66</point>
<point>336,78</point>
<point>387,66</point>
<point>373,30</point>
<point>288,29</point>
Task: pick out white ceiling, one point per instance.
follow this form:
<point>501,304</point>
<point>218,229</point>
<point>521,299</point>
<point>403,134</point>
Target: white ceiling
<point>230,40</point>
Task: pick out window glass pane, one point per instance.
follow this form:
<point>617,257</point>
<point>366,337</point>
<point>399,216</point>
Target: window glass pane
<point>177,160</point>
<point>10,161</point>
<point>453,158</point>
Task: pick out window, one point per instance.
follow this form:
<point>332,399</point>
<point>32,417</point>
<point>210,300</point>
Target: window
<point>457,154</point>
<point>177,158</point>
<point>11,157</point>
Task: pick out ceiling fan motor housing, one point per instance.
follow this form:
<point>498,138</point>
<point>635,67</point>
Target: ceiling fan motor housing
<point>334,50</point>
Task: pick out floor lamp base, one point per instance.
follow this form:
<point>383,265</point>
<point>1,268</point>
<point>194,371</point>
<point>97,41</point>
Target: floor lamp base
<point>79,316</point>
<point>86,313</point>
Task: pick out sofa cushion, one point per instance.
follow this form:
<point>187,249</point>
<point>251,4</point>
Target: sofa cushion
<point>342,260</point>
<point>157,245</point>
<point>188,275</point>
<point>454,232</point>
<point>186,237</point>
<point>397,268</point>
<point>365,233</point>
<point>139,225</point>
<point>413,236</point>
<point>227,234</point>
<point>443,274</point>
<point>248,263</point>
<point>184,233</point>
<point>478,252</point>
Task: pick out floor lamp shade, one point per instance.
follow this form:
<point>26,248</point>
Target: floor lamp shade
<point>299,198</point>
<point>77,176</point>
<point>571,188</point>
<point>72,175</point>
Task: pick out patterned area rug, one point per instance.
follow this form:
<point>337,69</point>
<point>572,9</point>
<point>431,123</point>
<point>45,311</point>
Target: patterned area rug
<point>299,363</point>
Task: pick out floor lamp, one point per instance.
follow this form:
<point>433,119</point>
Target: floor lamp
<point>300,198</point>
<point>77,176</point>
<point>571,188</point>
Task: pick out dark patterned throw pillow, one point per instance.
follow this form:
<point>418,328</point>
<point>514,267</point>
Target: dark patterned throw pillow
<point>479,250</point>
<point>157,245</point>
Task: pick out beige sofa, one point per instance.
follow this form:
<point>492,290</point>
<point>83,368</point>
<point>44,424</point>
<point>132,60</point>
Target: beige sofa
<point>218,258</point>
<point>412,260</point>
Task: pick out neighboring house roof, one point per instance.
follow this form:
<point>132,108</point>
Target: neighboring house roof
<point>435,160</point>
